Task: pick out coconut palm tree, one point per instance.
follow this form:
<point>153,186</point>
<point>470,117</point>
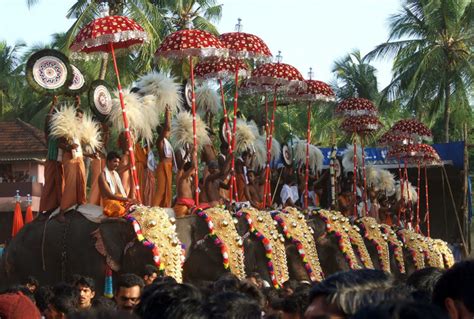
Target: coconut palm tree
<point>10,75</point>
<point>432,42</point>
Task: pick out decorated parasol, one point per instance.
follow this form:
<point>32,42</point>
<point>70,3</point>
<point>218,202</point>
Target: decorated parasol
<point>191,43</point>
<point>280,77</point>
<point>314,91</point>
<point>360,120</point>
<point>106,35</point>
<point>417,130</point>
<point>242,45</point>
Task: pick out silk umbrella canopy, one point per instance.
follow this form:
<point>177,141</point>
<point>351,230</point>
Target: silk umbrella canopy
<point>413,127</point>
<point>280,77</point>
<point>191,43</point>
<point>314,91</point>
<point>106,35</point>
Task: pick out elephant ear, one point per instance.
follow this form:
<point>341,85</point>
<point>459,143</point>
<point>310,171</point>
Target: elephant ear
<point>112,238</point>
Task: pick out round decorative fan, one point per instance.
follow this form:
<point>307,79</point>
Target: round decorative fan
<point>187,95</point>
<point>79,83</point>
<point>222,132</point>
<point>286,155</point>
<point>100,99</point>
<point>49,72</point>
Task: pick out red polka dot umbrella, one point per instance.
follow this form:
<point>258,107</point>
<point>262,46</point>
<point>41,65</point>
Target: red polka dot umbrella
<point>391,138</point>
<point>246,45</point>
<point>107,34</point>
<point>413,127</point>
<point>191,43</point>
<point>314,91</point>
<point>360,120</point>
<point>278,76</point>
<point>220,68</point>
<point>356,107</point>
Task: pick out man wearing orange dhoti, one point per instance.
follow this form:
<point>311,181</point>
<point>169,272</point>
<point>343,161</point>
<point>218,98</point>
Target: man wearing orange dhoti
<point>124,170</point>
<point>241,165</point>
<point>164,171</point>
<point>112,191</point>
<point>96,167</point>
<point>74,172</point>
<point>141,164</point>
<point>53,171</point>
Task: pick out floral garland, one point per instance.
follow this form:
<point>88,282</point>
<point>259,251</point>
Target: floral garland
<point>344,242</point>
<point>220,231</point>
<point>410,241</point>
<point>372,232</point>
<point>302,236</point>
<point>154,229</point>
<point>396,245</point>
<point>269,238</point>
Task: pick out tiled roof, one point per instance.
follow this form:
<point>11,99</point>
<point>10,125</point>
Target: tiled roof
<point>20,140</point>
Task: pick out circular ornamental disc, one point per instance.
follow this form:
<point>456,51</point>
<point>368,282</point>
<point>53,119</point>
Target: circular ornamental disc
<point>100,99</point>
<point>286,154</point>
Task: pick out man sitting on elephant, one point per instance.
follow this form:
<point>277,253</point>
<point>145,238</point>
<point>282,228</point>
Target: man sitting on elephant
<point>112,192</point>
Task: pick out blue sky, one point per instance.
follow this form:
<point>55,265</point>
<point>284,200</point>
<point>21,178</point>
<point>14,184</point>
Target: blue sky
<point>310,33</point>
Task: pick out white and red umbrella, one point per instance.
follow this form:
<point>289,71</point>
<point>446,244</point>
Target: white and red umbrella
<point>242,45</point>
<point>281,77</point>
<point>360,119</point>
<point>413,127</point>
<point>191,43</point>
<point>108,34</point>
<point>314,91</point>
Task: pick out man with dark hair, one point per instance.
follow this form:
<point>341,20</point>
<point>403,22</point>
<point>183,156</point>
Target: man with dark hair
<point>164,171</point>
<point>64,302</point>
<point>424,281</point>
<point>454,291</point>
<point>149,274</point>
<point>128,291</point>
<point>114,197</point>
<point>344,293</point>
<point>233,305</point>
<point>86,288</point>
<point>32,284</point>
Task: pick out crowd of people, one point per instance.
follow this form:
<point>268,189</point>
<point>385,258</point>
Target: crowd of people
<point>359,294</point>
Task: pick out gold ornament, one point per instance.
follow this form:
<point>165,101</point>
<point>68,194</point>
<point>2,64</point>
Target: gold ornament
<point>373,234</point>
<point>395,244</point>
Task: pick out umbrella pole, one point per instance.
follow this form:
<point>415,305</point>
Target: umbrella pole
<point>269,145</point>
<point>355,177</point>
<point>193,109</point>
<point>267,136</point>
<point>364,193</point>
<point>126,126</point>
<point>234,129</point>
<point>407,187</point>
<point>400,207</point>
<point>229,140</point>
<point>417,228</point>
<point>427,213</point>
<point>308,141</point>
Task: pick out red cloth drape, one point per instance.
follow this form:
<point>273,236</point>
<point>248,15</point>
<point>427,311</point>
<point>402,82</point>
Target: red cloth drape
<point>17,219</point>
<point>29,214</point>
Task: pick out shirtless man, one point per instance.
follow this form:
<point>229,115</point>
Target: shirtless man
<point>215,181</point>
<point>184,189</point>
<point>254,190</point>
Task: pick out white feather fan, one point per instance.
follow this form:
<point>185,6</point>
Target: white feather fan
<point>348,158</point>
<point>315,155</point>
<point>182,131</point>
<point>152,113</point>
<point>407,194</point>
<point>90,134</point>
<point>276,148</point>
<point>245,135</point>
<point>64,123</point>
<point>164,88</point>
<point>373,177</point>
<point>207,100</point>
<point>386,182</point>
<point>138,122</point>
<point>260,155</point>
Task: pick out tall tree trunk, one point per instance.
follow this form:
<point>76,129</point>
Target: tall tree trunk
<point>447,112</point>
<point>103,66</point>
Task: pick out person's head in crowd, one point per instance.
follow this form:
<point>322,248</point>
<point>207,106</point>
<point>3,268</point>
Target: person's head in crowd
<point>17,306</point>
<point>343,293</point>
<point>31,283</point>
<point>102,314</point>
<point>20,289</point>
<point>454,291</point>
<point>253,292</point>
<point>113,160</point>
<point>255,279</point>
<point>290,286</point>
<point>168,299</point>
<point>424,281</point>
<point>213,167</point>
<point>227,282</point>
<point>150,273</point>
<point>86,288</point>
<point>43,296</point>
<point>103,303</point>
<point>128,291</point>
<point>165,279</point>
<point>232,305</point>
<point>64,302</point>
<point>401,310</point>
